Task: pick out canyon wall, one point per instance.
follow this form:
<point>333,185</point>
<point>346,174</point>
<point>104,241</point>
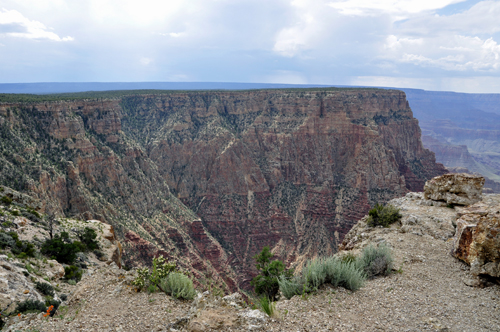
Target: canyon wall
<point>209,178</point>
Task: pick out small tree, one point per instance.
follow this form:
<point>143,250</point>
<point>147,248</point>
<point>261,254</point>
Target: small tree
<point>266,283</point>
<point>88,237</point>
<point>51,220</point>
<point>61,248</point>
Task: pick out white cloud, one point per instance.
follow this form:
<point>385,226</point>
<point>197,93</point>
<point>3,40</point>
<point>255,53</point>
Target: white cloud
<point>393,7</point>
<point>482,18</point>
<point>14,24</point>
<point>452,53</point>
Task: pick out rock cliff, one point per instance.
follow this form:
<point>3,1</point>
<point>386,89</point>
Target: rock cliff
<point>212,177</point>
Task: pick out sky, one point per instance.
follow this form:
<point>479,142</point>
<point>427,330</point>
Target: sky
<point>445,45</point>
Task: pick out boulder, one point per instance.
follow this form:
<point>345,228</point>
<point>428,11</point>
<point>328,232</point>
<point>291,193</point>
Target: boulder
<point>460,189</point>
<point>477,240</point>
<point>54,269</point>
<point>212,313</point>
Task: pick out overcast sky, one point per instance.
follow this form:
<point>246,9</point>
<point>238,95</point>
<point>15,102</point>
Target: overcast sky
<point>448,45</point>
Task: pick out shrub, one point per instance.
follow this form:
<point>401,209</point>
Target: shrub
<point>53,305</point>
<point>152,289</point>
<point>33,212</point>
<point>290,287</point>
<point>23,249</point>
<point>88,239</point>
<point>313,274</point>
<point>72,272</point>
<point>20,248</point>
<point>6,240</point>
<point>375,261</point>
<point>6,200</point>
<point>63,297</point>
<point>349,276</point>
<point>61,248</point>
<point>266,283</point>
<point>267,306</point>
<point>30,306</point>
<point>45,288</point>
<point>178,285</point>
<point>15,213</point>
<point>161,269</point>
<point>383,215</point>
<point>338,272</point>
<point>348,258</point>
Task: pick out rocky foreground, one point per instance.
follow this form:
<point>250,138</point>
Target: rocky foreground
<point>430,290</point>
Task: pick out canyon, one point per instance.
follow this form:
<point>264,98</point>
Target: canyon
<point>462,129</point>
<point>208,178</point>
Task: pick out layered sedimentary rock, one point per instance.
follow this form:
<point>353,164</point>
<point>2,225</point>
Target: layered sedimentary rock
<point>476,240</point>
<point>212,177</point>
<point>461,188</point>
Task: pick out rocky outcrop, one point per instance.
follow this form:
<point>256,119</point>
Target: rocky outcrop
<point>111,247</point>
<point>14,285</point>
<point>490,186</point>
<point>209,178</point>
<point>461,189</point>
<point>213,313</point>
<point>476,241</point>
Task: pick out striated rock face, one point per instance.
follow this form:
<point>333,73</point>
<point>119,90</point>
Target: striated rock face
<point>462,188</point>
<point>209,178</point>
<point>477,240</point>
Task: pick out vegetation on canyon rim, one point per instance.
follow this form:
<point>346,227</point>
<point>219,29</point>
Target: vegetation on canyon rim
<point>348,271</point>
<point>166,277</point>
<point>382,215</point>
<point>33,253</point>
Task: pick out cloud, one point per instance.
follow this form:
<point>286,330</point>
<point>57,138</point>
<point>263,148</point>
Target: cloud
<point>482,18</point>
<point>461,42</point>
<point>461,53</point>
<point>400,8</point>
<point>14,24</point>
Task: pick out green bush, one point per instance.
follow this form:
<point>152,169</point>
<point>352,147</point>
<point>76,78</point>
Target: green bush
<point>178,285</point>
<point>6,200</point>
<point>22,249</point>
<point>266,283</point>
<point>33,212</point>
<point>6,240</point>
<point>15,213</point>
<point>55,304</point>
<point>44,288</point>
<point>314,274</point>
<point>348,258</point>
<point>161,269</point>
<point>63,297</point>
<point>375,261</point>
<point>88,238</point>
<point>347,275</point>
<point>72,272</point>
<point>290,286</point>
<point>30,306</point>
<point>338,272</point>
<point>383,215</point>
<point>61,248</point>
